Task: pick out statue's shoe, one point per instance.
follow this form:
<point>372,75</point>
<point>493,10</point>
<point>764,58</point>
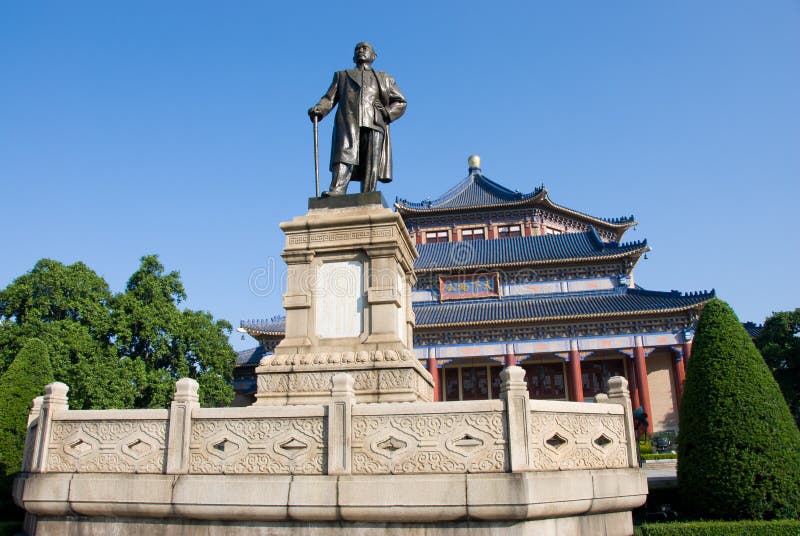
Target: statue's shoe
<point>332,193</point>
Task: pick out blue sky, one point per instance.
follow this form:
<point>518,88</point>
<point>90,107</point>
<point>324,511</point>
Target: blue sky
<point>179,128</point>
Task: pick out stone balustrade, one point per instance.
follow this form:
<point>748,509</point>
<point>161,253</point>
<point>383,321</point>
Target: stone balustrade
<point>540,466</point>
<point>513,434</point>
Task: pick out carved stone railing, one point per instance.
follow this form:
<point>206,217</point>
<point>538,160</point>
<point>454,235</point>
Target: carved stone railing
<point>513,434</point>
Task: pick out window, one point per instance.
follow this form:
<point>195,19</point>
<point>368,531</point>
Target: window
<point>480,382</point>
<point>595,375</point>
<point>509,231</point>
<point>546,380</point>
<point>432,237</point>
<point>472,234</point>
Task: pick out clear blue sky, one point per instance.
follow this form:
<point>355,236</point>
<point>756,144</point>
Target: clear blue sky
<point>180,128</point>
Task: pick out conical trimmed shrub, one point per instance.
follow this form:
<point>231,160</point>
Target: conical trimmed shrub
<point>24,380</point>
<point>739,448</point>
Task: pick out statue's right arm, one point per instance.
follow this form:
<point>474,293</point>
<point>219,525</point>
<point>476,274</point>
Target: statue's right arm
<point>327,102</point>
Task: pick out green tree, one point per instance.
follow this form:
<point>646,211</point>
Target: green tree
<point>739,449</point>
<point>24,380</point>
<point>779,343</point>
<point>165,343</point>
<point>117,351</point>
<point>68,309</point>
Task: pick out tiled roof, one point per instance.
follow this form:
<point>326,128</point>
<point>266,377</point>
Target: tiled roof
<point>475,190</point>
<point>276,324</point>
<point>630,301</point>
<point>252,356</point>
<point>478,191</point>
<point>526,250</point>
<point>753,329</point>
<point>530,309</point>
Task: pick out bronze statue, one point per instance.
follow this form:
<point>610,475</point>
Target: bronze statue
<point>368,101</point>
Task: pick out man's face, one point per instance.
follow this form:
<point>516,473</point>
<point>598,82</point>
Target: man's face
<point>364,53</point>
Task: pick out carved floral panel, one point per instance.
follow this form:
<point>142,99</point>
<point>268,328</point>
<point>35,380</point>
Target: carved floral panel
<point>432,443</point>
<point>304,382</point>
<point>561,441</point>
<point>269,446</point>
<point>107,446</point>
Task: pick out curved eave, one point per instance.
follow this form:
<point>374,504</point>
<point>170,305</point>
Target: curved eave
<point>405,209</point>
<point>620,227</point>
<point>253,332</point>
<point>573,260</point>
<point>563,318</point>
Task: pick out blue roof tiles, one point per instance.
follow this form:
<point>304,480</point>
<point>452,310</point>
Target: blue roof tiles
<point>252,356</point>
<point>478,191</point>
<point>621,302</point>
<point>521,251</point>
<point>631,301</point>
<point>474,191</point>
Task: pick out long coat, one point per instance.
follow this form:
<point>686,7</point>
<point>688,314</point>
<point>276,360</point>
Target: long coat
<point>345,91</point>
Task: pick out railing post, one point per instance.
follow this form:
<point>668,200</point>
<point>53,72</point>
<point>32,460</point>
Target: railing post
<point>32,434</point>
<point>618,394</point>
<point>514,393</point>
<point>185,400</point>
<point>340,417</point>
<point>55,400</point>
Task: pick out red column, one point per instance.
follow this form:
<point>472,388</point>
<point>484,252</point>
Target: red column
<point>635,403</point>
<point>433,368</point>
<point>687,351</point>
<point>575,380</point>
<point>680,376</point>
<point>511,359</point>
<point>641,380</point>
<point>419,233</point>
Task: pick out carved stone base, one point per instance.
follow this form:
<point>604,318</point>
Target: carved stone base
<point>616,523</point>
<point>380,376</point>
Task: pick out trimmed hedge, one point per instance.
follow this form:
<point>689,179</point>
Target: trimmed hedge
<point>738,448</point>
<point>22,382</point>
<point>784,527</point>
<point>10,528</point>
<point>662,456</point>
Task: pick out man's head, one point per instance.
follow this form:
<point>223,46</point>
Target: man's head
<point>364,53</point>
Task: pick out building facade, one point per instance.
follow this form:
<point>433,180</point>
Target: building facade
<point>505,277</point>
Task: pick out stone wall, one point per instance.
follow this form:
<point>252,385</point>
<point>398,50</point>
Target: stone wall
<point>420,462</point>
<point>398,438</point>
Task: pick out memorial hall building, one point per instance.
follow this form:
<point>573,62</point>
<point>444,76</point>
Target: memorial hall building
<point>505,277</point>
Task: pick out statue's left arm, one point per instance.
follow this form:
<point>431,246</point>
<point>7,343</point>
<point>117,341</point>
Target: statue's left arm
<point>395,101</point>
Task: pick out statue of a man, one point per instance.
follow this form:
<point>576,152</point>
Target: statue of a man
<point>368,101</point>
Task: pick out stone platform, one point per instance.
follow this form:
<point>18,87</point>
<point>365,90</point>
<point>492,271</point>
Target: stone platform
<point>508,466</point>
<point>348,307</point>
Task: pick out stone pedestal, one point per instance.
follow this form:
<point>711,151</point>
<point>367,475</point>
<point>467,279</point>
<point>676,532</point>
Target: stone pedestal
<point>348,307</point>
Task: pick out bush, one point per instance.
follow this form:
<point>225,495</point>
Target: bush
<point>719,528</point>
<point>661,456</point>
<point>739,449</point>
<point>22,382</point>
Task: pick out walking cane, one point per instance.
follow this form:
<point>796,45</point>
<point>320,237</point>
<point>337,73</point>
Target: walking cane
<point>316,151</point>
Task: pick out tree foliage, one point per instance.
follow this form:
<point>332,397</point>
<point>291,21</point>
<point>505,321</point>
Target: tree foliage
<point>170,343</point>
<point>24,380</point>
<point>69,309</point>
<point>739,449</point>
<point>779,343</point>
<point>117,350</point>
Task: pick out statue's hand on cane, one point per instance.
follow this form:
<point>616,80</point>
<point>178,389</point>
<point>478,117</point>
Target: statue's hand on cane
<point>313,112</point>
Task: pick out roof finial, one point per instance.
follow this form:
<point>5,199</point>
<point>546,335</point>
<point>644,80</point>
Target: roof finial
<point>474,162</point>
